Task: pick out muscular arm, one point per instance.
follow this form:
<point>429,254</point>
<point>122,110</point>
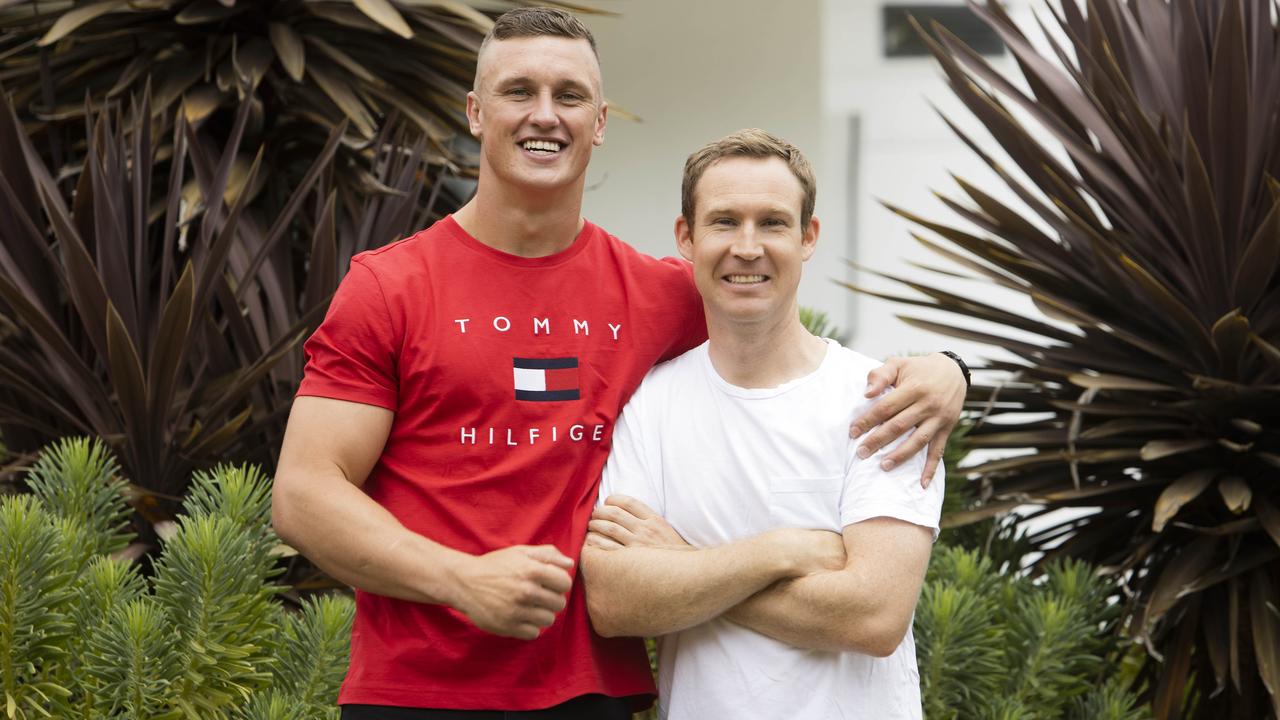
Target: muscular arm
<point>318,507</point>
<point>655,590</point>
<point>865,607</point>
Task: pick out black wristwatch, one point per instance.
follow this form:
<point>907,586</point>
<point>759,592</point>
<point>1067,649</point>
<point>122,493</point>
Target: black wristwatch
<point>968,382</point>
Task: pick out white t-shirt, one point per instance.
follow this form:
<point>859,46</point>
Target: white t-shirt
<point>722,463</point>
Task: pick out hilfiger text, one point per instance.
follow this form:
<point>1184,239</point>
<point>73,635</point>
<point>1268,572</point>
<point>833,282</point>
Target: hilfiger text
<point>514,437</point>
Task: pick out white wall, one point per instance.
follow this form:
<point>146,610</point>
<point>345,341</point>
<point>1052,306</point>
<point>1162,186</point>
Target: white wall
<point>904,153</point>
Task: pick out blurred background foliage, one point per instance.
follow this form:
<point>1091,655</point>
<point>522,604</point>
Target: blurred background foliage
<point>1139,158</point>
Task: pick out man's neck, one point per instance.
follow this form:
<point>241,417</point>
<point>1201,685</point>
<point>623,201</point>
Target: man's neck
<point>763,355</point>
<point>522,223</point>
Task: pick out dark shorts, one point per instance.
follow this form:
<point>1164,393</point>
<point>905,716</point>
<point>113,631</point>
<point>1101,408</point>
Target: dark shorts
<point>587,707</point>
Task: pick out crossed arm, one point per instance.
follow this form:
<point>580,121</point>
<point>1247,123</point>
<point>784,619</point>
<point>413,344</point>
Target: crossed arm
<point>643,579</point>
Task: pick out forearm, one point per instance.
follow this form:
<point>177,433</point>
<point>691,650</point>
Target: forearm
<point>831,611</point>
<point>654,591</point>
<point>357,541</point>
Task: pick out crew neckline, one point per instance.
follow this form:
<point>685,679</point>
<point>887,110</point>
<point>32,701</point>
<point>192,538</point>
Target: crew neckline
<point>755,393</point>
<point>579,243</point>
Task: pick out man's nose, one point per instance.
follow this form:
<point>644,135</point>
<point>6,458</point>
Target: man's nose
<point>747,245</point>
<point>544,110</point>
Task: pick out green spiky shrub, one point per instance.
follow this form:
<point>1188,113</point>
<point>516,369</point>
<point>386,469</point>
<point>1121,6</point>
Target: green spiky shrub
<point>84,635</point>
<point>993,644</point>
<point>996,640</point>
<point>1138,209</point>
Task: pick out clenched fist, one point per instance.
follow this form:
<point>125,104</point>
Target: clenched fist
<point>515,591</point>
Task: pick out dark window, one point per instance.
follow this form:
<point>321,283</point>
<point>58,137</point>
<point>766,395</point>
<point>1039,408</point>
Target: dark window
<point>901,40</point>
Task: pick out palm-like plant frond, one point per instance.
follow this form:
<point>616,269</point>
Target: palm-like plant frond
<point>169,323</point>
<point>1153,395</point>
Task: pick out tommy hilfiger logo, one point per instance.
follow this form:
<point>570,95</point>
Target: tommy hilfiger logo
<point>546,379</point>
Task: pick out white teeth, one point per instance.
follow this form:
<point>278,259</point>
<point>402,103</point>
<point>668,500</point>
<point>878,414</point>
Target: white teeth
<point>543,145</point>
<point>744,279</point>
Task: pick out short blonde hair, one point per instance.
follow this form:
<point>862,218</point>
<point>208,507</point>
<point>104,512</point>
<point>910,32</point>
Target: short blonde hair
<point>527,22</point>
<point>751,143</point>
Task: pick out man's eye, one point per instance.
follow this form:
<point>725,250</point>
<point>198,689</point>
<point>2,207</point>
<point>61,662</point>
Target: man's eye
<point>570,97</point>
<point>519,92</point>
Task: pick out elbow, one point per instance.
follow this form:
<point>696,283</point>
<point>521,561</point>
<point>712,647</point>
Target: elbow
<point>603,622</point>
<point>282,515</point>
<point>602,605</point>
<point>600,609</point>
<point>885,644</point>
<point>877,637</point>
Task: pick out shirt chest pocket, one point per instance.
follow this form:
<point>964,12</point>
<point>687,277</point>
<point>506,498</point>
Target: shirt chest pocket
<point>811,502</point>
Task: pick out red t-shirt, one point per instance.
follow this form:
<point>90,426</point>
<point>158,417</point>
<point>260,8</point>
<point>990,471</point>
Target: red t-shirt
<point>506,375</point>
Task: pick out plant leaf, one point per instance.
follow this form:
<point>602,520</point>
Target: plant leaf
<point>289,48</point>
<point>126,372</point>
<point>1268,517</point>
<point>207,11</point>
<point>171,342</point>
<point>1157,449</point>
<point>1230,336</point>
<point>1194,559</point>
<point>386,15</point>
<point>342,95</point>
<point>482,22</point>
<point>1258,262</point>
<point>1115,382</point>
<point>72,19</point>
<point>1179,493</point>
<point>1264,611</point>
<point>1235,493</point>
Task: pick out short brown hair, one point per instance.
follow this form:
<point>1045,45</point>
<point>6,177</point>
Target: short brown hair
<point>526,22</point>
<point>751,143</point>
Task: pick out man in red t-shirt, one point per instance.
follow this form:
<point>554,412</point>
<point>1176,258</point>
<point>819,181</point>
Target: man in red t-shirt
<point>445,447</point>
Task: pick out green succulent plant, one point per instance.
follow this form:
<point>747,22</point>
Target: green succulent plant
<point>202,638</point>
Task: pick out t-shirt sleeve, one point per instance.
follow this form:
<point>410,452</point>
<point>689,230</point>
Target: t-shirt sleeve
<point>631,469</point>
<point>353,354</point>
<point>871,492</point>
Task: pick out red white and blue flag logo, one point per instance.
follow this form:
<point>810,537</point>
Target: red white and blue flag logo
<point>546,379</point>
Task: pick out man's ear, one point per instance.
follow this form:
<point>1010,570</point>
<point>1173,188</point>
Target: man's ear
<point>684,238</point>
<point>598,138</point>
<point>473,113</point>
<point>809,239</point>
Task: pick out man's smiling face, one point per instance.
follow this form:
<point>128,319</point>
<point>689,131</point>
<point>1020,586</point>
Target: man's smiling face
<point>746,240</point>
<point>537,110</point>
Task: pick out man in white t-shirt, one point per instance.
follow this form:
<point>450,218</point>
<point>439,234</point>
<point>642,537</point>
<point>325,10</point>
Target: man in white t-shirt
<point>780,569</point>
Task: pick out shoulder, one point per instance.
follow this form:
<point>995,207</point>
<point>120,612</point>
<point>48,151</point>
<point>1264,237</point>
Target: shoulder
<point>667,380</point>
<point>401,266</point>
<point>852,365</point>
<point>393,256</point>
<point>670,269</point>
